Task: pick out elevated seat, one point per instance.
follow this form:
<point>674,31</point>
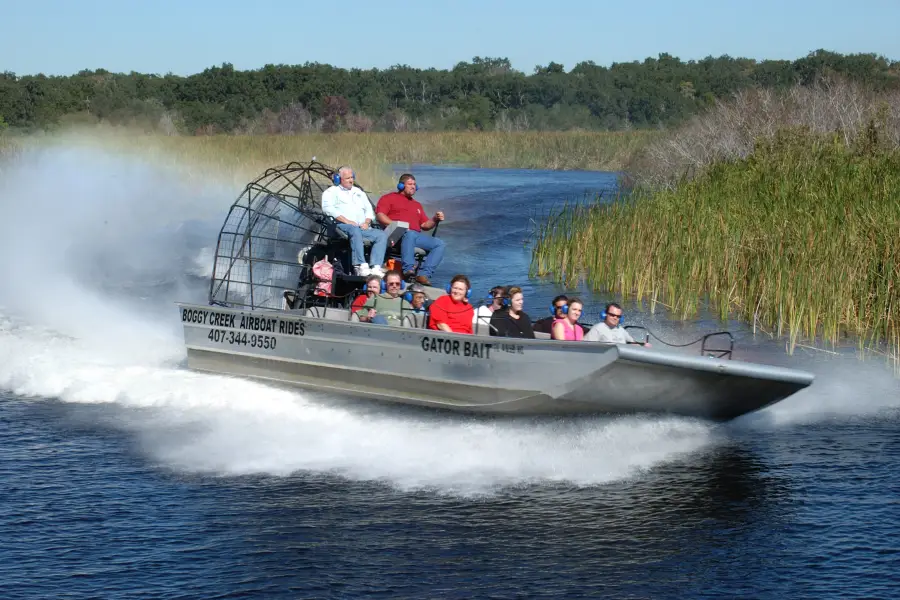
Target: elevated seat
<point>340,233</point>
<point>394,231</point>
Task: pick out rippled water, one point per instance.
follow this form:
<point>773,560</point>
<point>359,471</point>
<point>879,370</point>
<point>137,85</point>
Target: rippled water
<point>124,475</point>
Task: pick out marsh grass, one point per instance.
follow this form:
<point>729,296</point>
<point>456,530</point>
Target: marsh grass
<point>10,149</point>
<point>237,159</point>
<point>730,128</point>
<point>9,146</point>
<point>801,237</point>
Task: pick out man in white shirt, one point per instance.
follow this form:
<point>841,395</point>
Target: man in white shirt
<point>608,330</point>
<point>350,207</point>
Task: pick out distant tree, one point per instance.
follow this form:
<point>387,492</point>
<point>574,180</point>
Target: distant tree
<point>334,112</point>
<point>485,92</point>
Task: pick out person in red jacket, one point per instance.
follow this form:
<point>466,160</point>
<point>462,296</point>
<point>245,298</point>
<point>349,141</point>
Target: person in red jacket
<point>453,313</point>
<point>400,206</point>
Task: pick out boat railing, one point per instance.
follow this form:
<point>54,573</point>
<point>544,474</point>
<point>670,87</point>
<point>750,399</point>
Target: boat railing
<point>710,343</point>
<point>646,331</point>
<point>717,352</point>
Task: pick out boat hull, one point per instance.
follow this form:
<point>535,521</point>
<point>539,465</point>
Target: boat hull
<point>476,374</point>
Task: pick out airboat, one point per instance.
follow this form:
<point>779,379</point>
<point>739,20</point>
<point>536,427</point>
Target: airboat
<point>269,316</point>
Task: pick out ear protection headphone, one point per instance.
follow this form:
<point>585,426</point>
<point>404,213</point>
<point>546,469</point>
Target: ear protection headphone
<point>336,178</point>
<point>603,316</point>
<point>402,186</point>
<point>384,286</point>
<point>564,309</point>
<point>408,296</point>
<point>504,301</point>
<point>468,291</point>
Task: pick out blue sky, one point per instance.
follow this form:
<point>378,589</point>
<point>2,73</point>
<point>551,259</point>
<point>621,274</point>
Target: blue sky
<point>183,37</point>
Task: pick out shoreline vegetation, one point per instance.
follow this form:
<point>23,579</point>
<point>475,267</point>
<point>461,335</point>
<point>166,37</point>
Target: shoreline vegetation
<point>774,204</point>
<point>485,94</point>
<point>781,209</point>
<point>237,159</point>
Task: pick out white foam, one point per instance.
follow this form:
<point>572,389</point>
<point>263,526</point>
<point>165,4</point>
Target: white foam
<point>241,427</point>
<point>846,388</point>
<point>74,340</point>
<point>202,264</point>
<point>89,226</point>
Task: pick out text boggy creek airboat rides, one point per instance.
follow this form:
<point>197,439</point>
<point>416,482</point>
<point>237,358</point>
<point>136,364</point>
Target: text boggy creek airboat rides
<point>275,312</point>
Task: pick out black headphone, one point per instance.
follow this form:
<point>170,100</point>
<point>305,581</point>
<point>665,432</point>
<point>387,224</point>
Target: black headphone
<point>336,178</point>
<point>402,186</point>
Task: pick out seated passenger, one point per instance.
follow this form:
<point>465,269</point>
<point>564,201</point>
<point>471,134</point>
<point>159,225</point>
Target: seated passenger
<point>608,331</point>
<point>373,286</point>
<point>453,313</point>
<point>351,208</point>
<point>512,321</point>
<point>400,206</point>
<point>567,328</point>
<point>417,297</point>
<point>388,307</point>
<point>545,325</point>
<point>481,320</point>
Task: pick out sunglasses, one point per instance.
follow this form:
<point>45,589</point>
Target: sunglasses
<point>618,316</point>
<point>393,283</point>
<point>561,306</point>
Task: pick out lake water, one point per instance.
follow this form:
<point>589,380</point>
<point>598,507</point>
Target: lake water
<point>123,475</point>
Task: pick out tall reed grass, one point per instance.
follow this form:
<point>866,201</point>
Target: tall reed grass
<point>240,158</point>
<point>802,237</point>
<point>729,130</point>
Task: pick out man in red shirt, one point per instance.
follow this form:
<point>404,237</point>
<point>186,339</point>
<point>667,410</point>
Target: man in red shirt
<point>400,206</point>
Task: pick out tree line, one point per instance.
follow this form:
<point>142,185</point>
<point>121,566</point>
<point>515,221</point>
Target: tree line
<point>484,94</point>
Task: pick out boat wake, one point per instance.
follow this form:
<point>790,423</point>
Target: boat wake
<point>87,317</point>
<point>198,423</point>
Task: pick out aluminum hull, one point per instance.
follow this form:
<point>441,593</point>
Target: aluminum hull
<point>476,373</point>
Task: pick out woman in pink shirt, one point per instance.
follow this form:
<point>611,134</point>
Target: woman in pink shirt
<point>565,329</point>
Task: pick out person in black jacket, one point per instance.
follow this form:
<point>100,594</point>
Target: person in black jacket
<point>512,321</point>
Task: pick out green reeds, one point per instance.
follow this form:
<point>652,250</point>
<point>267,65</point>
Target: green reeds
<point>237,159</point>
<point>801,238</point>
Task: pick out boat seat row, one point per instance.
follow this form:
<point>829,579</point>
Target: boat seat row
<point>412,320</point>
<point>326,312</point>
<point>393,250</point>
